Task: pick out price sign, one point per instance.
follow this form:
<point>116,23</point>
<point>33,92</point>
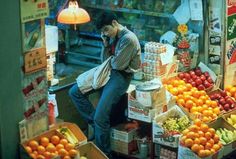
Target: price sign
<point>35,60</point>
<point>32,10</point>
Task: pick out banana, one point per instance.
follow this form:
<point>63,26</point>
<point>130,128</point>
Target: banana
<point>68,135</point>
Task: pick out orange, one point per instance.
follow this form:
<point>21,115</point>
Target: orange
<point>208,146</point>
<point>190,135</point>
<point>213,151</point>
<point>232,90</point>
<point>59,146</point>
<point>204,127</point>
<point>174,91</point>
<point>182,140</point>
<point>55,139</point>
<point>194,109</point>
<point>73,153</point>
<point>189,104</point>
<point>203,141</point>
<point>50,148</point>
<point>214,104</point>
<point>212,131</point>
<point>33,144</point>
<point>175,83</point>
<point>216,110</point>
<point>63,141</point>
<point>185,132</point>
<point>52,155</point>
<point>47,154</point>
<point>211,141</point>
<point>208,152</point>
<point>202,153</point>
<point>195,148</point>
<point>181,102</point>
<point>196,94</point>
<point>44,141</point>
<point>189,86</point>
<point>216,138</point>
<point>206,119</point>
<point>201,147</point>
<point>197,122</point>
<point>41,149</point>
<point>40,157</point>
<point>196,141</point>
<point>201,133</point>
<point>69,146</point>
<point>202,92</point>
<point>228,87</point>
<point>188,142</point>
<point>67,157</point>
<point>62,152</point>
<point>193,128</point>
<point>199,102</point>
<point>28,149</point>
<point>216,147</point>
<point>203,98</point>
<point>32,155</point>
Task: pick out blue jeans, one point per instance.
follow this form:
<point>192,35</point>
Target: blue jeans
<point>100,117</point>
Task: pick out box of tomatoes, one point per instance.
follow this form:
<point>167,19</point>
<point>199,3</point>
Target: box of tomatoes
<point>61,141</point>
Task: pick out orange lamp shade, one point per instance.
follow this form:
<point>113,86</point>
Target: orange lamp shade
<point>73,14</point>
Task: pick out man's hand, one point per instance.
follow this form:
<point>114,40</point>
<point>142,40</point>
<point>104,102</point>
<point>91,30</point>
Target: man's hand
<point>105,40</point>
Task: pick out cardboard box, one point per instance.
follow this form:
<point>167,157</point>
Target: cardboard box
<point>186,153</point>
<point>227,115</point>
<point>119,133</point>
<point>165,152</point>
<point>159,135</point>
<point>123,147</point>
<point>221,123</point>
<point>54,131</point>
<point>123,141</point>
<point>90,150</point>
<point>142,114</point>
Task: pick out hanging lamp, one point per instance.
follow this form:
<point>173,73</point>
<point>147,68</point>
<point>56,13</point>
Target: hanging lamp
<point>73,15</point>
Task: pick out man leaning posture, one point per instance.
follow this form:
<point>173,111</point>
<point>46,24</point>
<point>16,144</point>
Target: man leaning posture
<point>123,47</point>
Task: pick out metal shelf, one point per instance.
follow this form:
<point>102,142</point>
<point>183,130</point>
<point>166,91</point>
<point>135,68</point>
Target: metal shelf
<point>132,11</point>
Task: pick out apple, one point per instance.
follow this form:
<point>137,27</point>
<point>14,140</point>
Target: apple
<point>212,96</point>
<point>181,75</point>
<point>198,81</point>
<point>229,101</point>
<point>226,107</point>
<point>191,73</point>
<point>187,75</point>
<point>209,80</point>
<point>193,84</point>
<point>206,74</point>
<point>190,80</point>
<point>200,87</point>
<point>198,72</point>
<point>222,101</point>
<point>206,84</point>
<point>232,106</point>
<point>223,93</point>
<point>203,78</point>
<point>194,77</point>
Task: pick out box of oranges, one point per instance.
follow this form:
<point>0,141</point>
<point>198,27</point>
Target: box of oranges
<point>54,143</point>
<point>200,141</point>
<point>227,134</point>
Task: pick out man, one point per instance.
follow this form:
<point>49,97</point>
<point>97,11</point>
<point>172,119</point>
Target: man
<point>124,48</point>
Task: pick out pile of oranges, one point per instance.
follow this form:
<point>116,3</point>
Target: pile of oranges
<point>231,91</point>
<point>201,139</point>
<point>47,148</point>
<point>195,101</point>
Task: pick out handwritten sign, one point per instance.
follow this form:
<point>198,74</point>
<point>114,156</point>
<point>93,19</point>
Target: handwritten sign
<point>35,60</point>
<point>32,10</point>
